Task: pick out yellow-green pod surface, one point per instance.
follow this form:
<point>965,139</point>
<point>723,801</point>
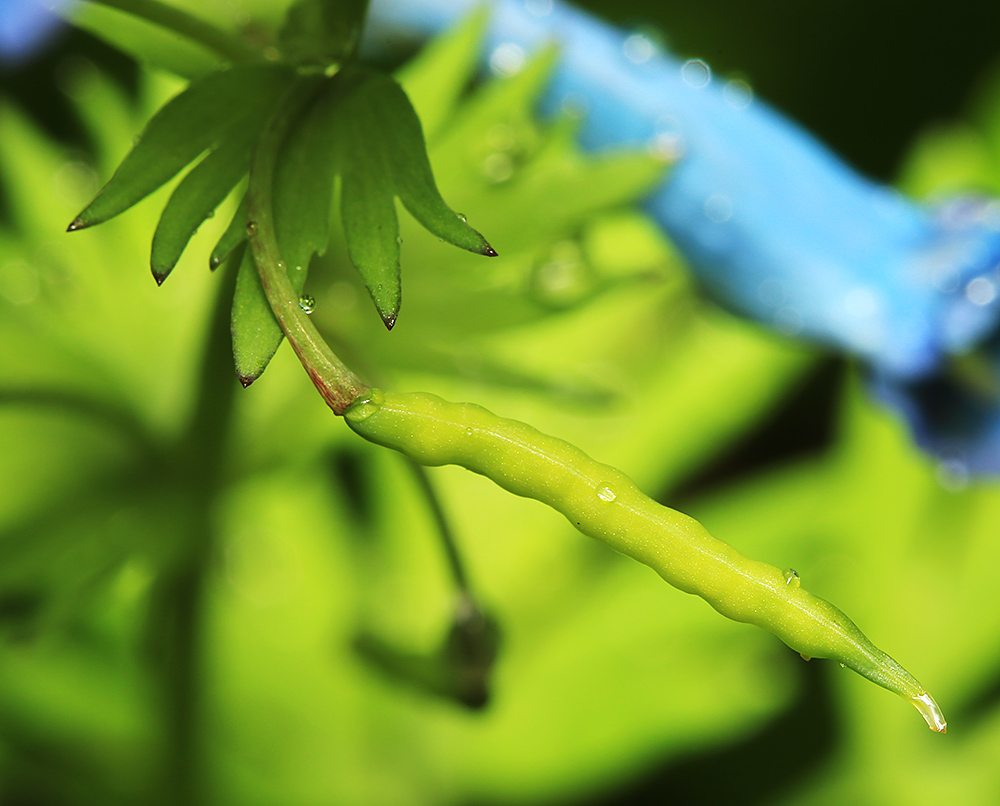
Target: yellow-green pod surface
<point>605,504</point>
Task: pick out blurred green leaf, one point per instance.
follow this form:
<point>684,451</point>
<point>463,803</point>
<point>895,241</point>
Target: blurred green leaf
<point>322,32</point>
<point>435,79</point>
<point>221,106</point>
<point>382,155</point>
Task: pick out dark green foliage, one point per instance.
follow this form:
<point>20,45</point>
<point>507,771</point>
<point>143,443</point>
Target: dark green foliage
<point>303,187</point>
<point>322,32</point>
<point>212,110</point>
<point>235,234</point>
<point>256,334</point>
<point>195,199</point>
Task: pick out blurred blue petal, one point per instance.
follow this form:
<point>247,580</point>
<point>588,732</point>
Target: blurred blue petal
<point>774,225</point>
<point>26,25</point>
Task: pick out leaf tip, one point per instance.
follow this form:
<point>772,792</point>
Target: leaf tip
<point>488,250</point>
<point>160,276</point>
<point>214,262</point>
<point>246,380</point>
<point>389,319</point>
<point>77,223</point>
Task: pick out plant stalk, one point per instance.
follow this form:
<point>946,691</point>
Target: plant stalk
<point>337,383</point>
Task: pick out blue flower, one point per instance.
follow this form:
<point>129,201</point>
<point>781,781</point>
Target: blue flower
<point>775,226</point>
<point>25,25</point>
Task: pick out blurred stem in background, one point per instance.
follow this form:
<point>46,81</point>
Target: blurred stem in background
<point>176,626</point>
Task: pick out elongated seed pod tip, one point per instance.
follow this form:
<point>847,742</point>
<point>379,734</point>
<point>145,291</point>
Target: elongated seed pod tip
<point>603,503</point>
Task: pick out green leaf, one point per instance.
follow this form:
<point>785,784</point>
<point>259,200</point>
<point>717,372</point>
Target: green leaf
<point>211,110</point>
<point>322,31</point>
<point>253,324</point>
<point>510,100</point>
<point>388,115</point>
<point>235,234</point>
<point>303,189</point>
<point>371,228</point>
<point>194,200</point>
<point>434,80</point>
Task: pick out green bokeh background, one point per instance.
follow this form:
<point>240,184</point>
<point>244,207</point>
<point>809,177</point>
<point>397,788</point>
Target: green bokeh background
<point>185,566</point>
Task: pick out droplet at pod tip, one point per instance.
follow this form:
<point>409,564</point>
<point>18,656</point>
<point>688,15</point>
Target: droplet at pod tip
<point>931,712</point>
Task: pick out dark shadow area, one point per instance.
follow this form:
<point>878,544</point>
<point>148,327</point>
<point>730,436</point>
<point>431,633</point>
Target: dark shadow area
<point>755,769</point>
<point>801,425</point>
<point>978,709</point>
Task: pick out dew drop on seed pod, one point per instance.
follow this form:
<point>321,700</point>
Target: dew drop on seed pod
<point>605,493</point>
<point>792,578</point>
<point>307,303</point>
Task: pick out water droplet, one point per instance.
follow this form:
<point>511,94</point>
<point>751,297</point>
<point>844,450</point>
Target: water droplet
<point>563,277</point>
<point>307,303</point>
<point>251,228</point>
<point>498,167</point>
<point>638,49</point>
<point>605,493</point>
<point>696,73</point>
<point>843,666</point>
<point>462,217</point>
<point>399,239</point>
<point>538,8</point>
<point>980,291</point>
<point>469,431</point>
<point>737,93</point>
<point>792,578</point>
<point>931,713</point>
<point>667,142</point>
<point>507,59</point>
<point>718,209</point>
<point>361,410</point>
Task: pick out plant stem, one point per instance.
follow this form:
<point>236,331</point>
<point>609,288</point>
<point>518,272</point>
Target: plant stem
<point>338,385</point>
<point>229,47</point>
<point>447,537</point>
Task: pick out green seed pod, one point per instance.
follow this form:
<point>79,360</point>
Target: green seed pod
<point>605,504</point>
